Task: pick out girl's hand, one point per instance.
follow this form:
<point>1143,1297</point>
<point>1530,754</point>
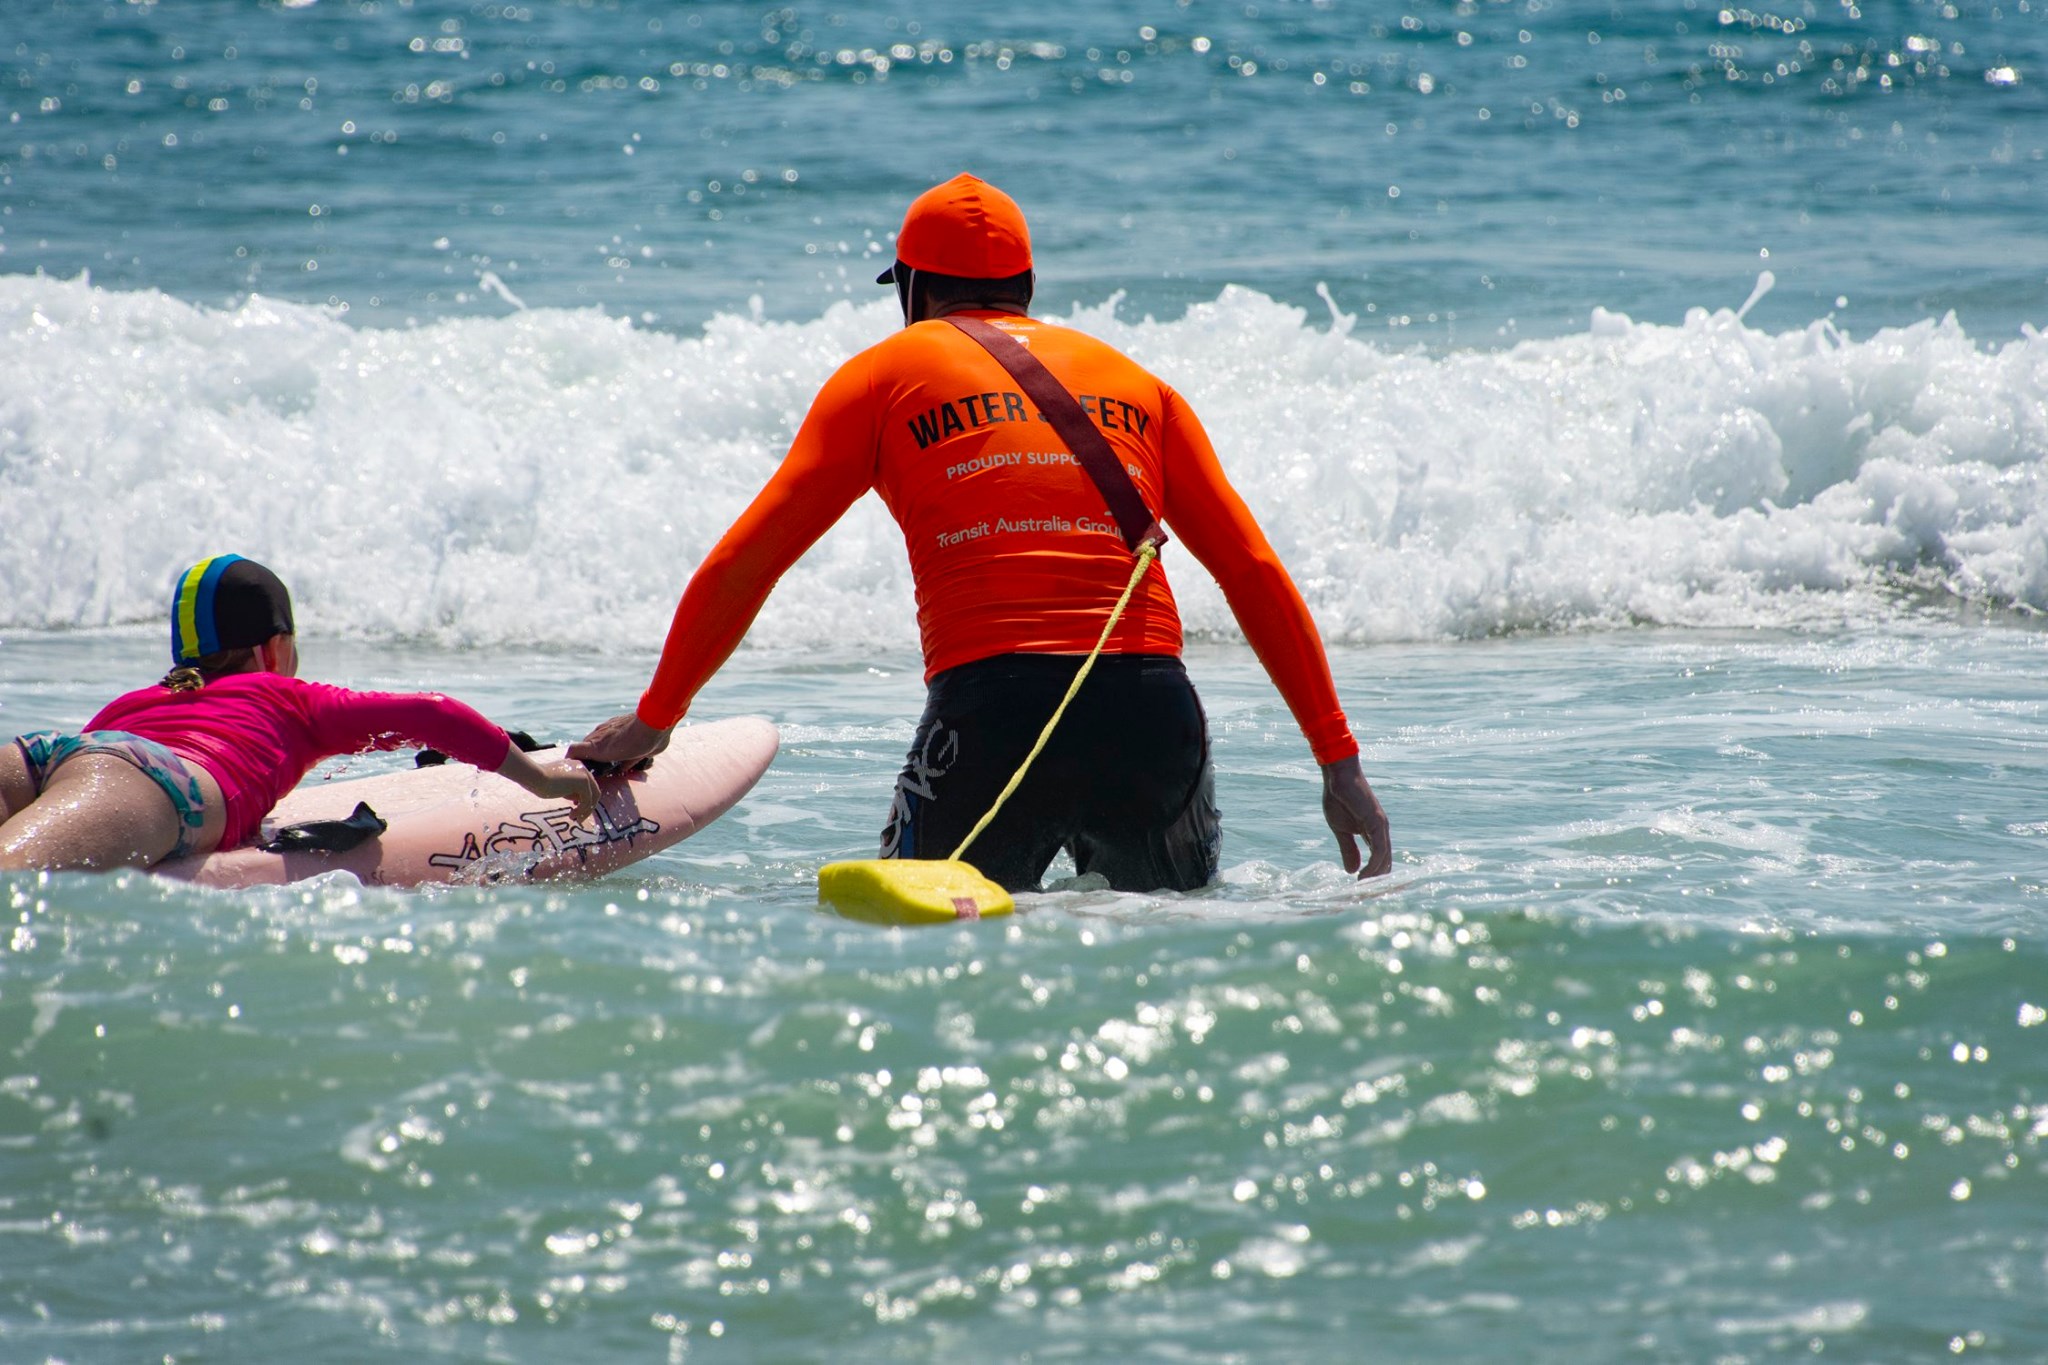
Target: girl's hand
<point>561,778</point>
<point>568,778</point>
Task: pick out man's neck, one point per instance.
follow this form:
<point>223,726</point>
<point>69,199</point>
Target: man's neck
<point>947,310</point>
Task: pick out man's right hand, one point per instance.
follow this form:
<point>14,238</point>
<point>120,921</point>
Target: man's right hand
<point>1354,813</point>
<point>623,740</point>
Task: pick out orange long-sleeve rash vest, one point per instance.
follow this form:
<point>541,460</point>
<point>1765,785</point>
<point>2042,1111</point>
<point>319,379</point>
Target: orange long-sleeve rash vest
<point>1011,547</point>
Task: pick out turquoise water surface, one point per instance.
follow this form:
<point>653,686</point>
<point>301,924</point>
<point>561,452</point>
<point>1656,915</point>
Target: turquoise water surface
<point>1698,1015</point>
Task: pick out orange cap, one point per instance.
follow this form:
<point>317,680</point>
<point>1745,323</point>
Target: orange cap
<point>964,227</point>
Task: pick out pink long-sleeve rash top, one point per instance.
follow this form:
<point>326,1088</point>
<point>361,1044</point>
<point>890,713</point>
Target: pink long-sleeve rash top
<point>257,734</point>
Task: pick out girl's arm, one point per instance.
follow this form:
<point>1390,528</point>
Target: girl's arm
<point>344,721</point>
<point>348,722</point>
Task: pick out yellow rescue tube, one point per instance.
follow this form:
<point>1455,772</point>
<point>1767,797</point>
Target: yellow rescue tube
<point>910,891</point>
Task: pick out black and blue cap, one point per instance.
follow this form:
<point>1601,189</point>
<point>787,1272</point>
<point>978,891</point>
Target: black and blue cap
<point>226,602</point>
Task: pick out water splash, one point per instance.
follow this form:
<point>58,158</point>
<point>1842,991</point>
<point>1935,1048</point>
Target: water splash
<point>552,476</point>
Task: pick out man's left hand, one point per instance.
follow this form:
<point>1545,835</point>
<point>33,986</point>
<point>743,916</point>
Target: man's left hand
<point>623,740</point>
<point>1354,813</point>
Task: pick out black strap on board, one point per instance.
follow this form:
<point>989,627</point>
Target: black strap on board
<point>1089,446</point>
<point>525,743</point>
<point>327,836</point>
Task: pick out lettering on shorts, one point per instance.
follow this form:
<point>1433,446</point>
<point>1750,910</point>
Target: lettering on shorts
<point>931,761</point>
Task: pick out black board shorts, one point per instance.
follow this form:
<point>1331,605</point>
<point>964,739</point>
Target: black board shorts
<point>1124,785</point>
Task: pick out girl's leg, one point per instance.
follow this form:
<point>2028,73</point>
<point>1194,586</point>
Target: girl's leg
<point>17,788</point>
<point>96,811</point>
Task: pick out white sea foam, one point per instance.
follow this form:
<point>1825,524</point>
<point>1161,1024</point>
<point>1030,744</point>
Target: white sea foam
<point>554,475</point>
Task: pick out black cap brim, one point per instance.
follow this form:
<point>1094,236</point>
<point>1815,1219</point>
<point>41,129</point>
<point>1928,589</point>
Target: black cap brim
<point>887,276</point>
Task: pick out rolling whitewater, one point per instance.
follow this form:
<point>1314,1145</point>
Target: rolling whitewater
<point>1652,406</point>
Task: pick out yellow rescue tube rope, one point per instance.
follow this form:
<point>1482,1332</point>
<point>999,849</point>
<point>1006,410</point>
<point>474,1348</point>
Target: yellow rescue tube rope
<point>941,891</point>
<point>1147,552</point>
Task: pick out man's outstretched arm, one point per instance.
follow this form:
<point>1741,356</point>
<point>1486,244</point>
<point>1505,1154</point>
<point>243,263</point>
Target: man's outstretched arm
<point>1212,521</point>
<point>829,465</point>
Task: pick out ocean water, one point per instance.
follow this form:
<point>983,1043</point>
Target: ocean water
<point>1652,402</point>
